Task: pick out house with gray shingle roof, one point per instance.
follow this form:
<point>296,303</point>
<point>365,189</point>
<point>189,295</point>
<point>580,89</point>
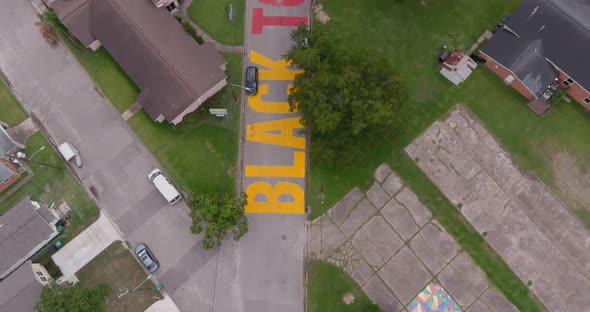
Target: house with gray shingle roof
<point>543,45</point>
<point>21,290</point>
<point>24,230</point>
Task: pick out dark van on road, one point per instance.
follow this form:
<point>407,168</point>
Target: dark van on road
<point>251,80</point>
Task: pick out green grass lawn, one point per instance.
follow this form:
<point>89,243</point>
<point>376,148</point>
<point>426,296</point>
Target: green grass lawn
<point>10,110</point>
<point>328,284</point>
<point>200,154</point>
<point>212,17</point>
<point>116,267</point>
<point>106,73</point>
<point>51,185</point>
<point>409,34</point>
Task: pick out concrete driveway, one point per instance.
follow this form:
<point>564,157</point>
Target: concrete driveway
<point>54,88</point>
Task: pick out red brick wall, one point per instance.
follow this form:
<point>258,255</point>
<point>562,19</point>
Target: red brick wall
<point>574,90</point>
<point>7,163</point>
<point>503,73</point>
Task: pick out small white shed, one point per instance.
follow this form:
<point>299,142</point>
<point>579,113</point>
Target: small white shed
<point>457,67</point>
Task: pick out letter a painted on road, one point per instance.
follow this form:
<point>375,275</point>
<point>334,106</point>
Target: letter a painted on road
<point>265,132</point>
<point>258,104</point>
<point>297,170</point>
<point>272,194</point>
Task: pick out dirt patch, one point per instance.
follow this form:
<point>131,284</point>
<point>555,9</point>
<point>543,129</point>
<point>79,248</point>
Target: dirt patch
<point>572,177</point>
<point>348,298</point>
<point>320,14</point>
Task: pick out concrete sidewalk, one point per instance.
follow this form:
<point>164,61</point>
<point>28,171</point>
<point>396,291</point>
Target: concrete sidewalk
<point>164,305</point>
<point>87,245</point>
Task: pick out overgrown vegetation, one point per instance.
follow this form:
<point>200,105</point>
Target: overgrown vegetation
<point>349,100</point>
<point>218,214</point>
<point>72,297</point>
<point>189,29</point>
<point>116,267</point>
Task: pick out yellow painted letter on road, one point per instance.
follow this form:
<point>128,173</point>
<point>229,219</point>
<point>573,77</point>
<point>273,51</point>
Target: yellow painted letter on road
<point>295,171</point>
<point>258,104</point>
<point>272,194</point>
<point>277,70</point>
<point>262,132</point>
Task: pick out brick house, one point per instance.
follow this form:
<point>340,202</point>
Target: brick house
<point>543,45</point>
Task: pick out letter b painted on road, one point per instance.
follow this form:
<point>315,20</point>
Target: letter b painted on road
<point>271,204</point>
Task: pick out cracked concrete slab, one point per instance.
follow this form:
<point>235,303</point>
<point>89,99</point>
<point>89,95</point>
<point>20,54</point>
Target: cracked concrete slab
<point>523,221</point>
<point>461,290</point>
<point>393,184</point>
<point>440,242</point>
<point>433,261</point>
<point>332,238</point>
<point>362,272</point>
<point>382,172</point>
<point>470,273</point>
<point>401,220</point>
<point>496,302</point>
<point>342,209</point>
<point>419,212</point>
<point>405,275</point>
<point>387,252</point>
<point>358,216</point>
<point>379,293</point>
<point>377,241</point>
<point>377,195</point>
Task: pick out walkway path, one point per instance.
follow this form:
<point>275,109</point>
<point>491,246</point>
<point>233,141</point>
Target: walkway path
<point>388,242</point>
<point>220,47</point>
<point>87,245</point>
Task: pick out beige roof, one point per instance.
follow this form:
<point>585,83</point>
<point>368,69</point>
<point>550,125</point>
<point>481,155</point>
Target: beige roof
<point>167,64</point>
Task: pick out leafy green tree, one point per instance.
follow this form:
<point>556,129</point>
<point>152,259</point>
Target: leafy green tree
<point>348,99</point>
<point>218,214</point>
<point>72,297</point>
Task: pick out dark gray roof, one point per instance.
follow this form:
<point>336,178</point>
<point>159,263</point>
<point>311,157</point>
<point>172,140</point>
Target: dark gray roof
<point>5,172</point>
<point>23,231</point>
<point>170,67</point>
<point>20,291</point>
<point>74,14</point>
<point>6,143</point>
<point>557,30</point>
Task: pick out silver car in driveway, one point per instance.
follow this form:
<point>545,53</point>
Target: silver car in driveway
<point>147,258</point>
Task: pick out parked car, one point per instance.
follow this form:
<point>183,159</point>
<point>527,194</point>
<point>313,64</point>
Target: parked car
<point>166,188</point>
<point>251,80</point>
<point>147,258</point>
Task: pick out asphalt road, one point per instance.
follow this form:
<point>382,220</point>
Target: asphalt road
<point>273,251</point>
<point>263,272</point>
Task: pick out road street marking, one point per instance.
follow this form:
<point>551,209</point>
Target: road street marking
<point>282,2</point>
<point>258,104</point>
<point>279,132</point>
<point>263,132</point>
<point>259,20</point>
<point>277,70</point>
<point>297,170</point>
<point>272,194</point>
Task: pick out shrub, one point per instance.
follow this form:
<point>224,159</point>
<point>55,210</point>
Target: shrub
<point>189,29</point>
